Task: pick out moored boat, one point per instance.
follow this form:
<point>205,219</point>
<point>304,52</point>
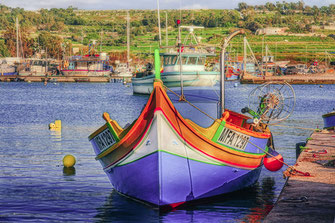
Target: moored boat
<point>193,70</point>
<point>183,67</point>
<point>37,67</point>
<point>87,65</point>
<point>167,161</point>
<point>6,69</point>
<point>329,120</point>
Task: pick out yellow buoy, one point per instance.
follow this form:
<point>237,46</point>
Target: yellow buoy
<point>58,123</point>
<point>57,126</point>
<point>52,125</point>
<point>69,161</point>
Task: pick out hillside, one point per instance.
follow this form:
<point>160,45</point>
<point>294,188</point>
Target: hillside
<point>309,31</point>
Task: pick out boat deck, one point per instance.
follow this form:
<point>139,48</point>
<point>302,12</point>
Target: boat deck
<point>310,198</point>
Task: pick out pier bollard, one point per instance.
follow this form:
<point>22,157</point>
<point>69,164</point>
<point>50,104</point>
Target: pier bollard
<point>298,149</point>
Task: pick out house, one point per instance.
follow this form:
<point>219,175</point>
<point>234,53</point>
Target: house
<point>272,31</point>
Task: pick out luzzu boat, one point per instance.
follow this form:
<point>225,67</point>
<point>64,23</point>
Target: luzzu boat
<point>167,161</point>
<point>329,120</point>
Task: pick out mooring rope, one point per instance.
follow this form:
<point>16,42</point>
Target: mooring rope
<point>293,170</point>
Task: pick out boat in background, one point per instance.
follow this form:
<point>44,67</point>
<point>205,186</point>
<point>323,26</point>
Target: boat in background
<point>168,161</point>
<point>38,67</point>
<point>7,69</point>
<point>123,70</point>
<point>192,66</point>
<point>329,120</point>
<point>87,65</point>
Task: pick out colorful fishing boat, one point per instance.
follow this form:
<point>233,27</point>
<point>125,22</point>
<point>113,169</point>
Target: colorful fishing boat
<point>329,120</point>
<point>167,161</point>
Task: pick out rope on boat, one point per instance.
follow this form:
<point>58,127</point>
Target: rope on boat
<point>290,171</point>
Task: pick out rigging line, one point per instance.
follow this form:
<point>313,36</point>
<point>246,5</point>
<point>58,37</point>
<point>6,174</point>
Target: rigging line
<point>220,123</point>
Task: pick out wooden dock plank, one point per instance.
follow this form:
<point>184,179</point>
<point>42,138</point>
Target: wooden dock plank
<point>309,198</point>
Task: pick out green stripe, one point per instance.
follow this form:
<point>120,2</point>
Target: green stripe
<point>216,164</point>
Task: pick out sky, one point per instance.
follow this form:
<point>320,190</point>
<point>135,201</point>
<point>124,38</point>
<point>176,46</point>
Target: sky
<point>145,4</point>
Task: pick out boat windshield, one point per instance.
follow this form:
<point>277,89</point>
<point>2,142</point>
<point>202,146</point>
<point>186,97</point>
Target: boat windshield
<point>201,60</point>
<point>192,60</point>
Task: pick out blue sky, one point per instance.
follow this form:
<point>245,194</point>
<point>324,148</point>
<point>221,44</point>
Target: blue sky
<point>145,4</point>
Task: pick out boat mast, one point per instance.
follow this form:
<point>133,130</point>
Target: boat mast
<point>244,55</point>
<point>166,29</point>
<point>159,24</point>
<point>222,66</point>
<point>180,62</point>
<point>128,38</point>
<point>17,37</point>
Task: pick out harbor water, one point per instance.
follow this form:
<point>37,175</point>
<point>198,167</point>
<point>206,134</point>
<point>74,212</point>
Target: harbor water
<point>34,186</point>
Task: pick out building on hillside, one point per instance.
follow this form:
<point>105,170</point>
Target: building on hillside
<point>329,27</point>
<point>272,31</point>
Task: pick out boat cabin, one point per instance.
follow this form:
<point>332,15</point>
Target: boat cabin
<point>90,63</point>
<point>190,62</point>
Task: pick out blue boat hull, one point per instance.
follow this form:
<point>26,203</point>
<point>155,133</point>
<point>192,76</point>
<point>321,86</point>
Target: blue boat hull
<point>165,179</point>
<point>329,120</point>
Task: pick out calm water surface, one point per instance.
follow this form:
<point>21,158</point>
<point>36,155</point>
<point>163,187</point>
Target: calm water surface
<point>34,187</point>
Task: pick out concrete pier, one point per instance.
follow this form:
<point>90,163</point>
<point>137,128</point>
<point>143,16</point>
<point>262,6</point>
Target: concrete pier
<point>325,78</point>
<point>93,79</point>
<point>309,198</point>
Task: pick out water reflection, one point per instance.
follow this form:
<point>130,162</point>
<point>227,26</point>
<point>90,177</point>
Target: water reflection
<point>69,171</point>
<point>118,207</point>
<point>249,205</point>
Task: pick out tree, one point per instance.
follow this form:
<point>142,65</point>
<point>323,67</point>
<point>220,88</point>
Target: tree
<point>51,43</point>
<point>3,49</point>
<point>242,6</point>
<point>25,44</point>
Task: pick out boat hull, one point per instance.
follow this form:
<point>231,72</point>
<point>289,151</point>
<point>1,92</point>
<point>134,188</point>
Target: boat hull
<point>166,170</point>
<point>8,71</point>
<point>86,72</point>
<point>157,179</point>
<point>329,120</point>
<point>144,85</point>
<point>166,160</point>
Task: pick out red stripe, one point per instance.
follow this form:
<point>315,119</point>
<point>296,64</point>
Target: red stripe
<point>145,132</point>
<point>224,161</point>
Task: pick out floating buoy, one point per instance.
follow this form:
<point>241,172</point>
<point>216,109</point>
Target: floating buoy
<point>69,161</point>
<point>274,162</point>
<point>56,126</point>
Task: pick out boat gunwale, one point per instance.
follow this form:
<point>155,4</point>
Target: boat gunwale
<point>145,114</point>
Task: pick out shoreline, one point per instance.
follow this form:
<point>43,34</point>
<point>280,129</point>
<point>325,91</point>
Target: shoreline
<point>69,79</point>
<point>325,78</point>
